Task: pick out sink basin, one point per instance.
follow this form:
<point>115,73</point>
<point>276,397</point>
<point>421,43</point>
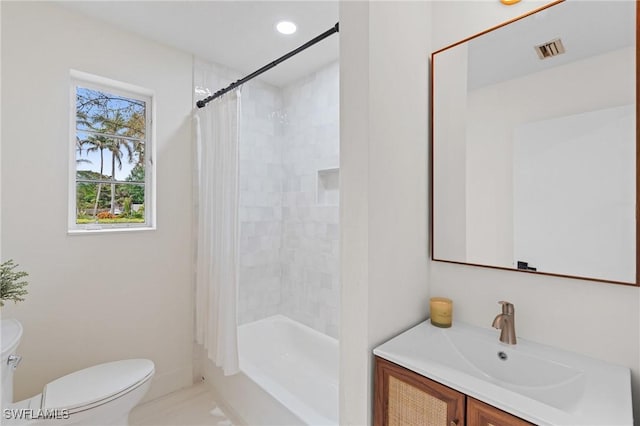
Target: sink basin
<point>532,370</point>
<point>511,364</point>
<point>539,383</point>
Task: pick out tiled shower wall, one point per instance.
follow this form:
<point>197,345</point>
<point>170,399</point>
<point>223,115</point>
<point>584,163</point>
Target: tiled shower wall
<point>260,209</point>
<point>310,257</point>
<point>288,240</point>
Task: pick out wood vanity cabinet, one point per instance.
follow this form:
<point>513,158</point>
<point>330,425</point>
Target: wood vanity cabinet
<point>405,398</point>
<point>481,414</point>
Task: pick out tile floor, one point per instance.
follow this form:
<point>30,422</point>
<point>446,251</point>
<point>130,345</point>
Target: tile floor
<point>192,406</point>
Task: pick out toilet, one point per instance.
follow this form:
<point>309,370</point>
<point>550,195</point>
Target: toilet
<point>100,395</point>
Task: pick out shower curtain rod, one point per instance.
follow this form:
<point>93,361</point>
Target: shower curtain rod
<point>201,103</point>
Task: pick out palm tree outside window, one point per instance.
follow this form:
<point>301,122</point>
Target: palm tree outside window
<point>112,172</point>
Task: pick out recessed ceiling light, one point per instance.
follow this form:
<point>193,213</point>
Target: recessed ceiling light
<point>286,27</point>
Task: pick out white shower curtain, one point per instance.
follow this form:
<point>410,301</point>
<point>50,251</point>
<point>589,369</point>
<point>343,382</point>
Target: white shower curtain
<point>217,137</point>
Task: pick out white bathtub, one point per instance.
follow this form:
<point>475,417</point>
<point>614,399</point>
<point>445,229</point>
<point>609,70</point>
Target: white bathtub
<point>289,375</point>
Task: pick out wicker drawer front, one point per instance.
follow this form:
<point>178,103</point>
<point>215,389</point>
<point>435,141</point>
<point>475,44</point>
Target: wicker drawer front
<point>410,406</point>
<point>405,398</point>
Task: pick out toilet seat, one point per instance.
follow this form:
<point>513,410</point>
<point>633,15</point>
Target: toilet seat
<point>97,385</point>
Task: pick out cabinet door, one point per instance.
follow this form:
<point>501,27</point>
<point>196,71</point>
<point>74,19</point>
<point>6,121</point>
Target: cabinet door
<point>404,398</point>
<point>481,414</point>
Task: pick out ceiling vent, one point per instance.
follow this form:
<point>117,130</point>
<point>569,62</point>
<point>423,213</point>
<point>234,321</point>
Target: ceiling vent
<point>550,49</point>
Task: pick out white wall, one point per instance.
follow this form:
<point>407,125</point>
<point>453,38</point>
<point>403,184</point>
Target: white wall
<point>92,298</point>
<point>600,320</point>
<point>355,365</point>
<point>384,48</point>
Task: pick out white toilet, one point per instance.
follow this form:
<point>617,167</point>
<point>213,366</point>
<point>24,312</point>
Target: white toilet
<point>100,395</point>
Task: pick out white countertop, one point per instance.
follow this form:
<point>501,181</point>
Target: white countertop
<point>598,393</point>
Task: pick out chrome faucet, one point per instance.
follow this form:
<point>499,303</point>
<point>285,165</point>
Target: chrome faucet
<point>506,323</point>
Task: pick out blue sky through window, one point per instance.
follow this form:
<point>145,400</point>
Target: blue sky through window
<point>101,112</point>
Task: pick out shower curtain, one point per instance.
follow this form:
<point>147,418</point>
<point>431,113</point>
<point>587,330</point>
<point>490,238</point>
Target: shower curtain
<point>217,137</point>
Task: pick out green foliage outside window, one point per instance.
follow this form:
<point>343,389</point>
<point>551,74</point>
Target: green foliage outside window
<point>110,158</point>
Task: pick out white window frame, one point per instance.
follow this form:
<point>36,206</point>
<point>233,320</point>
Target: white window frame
<point>103,84</point>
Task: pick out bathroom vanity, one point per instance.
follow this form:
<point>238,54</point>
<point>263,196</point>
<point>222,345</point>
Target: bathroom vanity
<point>407,398</point>
<point>464,375</point>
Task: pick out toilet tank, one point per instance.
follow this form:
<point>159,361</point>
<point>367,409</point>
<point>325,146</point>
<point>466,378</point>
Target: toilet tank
<point>10,336</point>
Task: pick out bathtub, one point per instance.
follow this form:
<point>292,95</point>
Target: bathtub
<point>289,375</point>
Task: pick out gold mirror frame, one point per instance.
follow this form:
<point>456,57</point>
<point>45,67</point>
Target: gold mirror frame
<point>637,156</point>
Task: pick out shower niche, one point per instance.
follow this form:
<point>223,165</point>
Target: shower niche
<point>328,187</point>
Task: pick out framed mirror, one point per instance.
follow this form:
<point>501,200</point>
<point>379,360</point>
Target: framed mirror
<point>534,144</point>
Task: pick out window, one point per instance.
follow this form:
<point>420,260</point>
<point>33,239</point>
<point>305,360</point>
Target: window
<point>112,167</point>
